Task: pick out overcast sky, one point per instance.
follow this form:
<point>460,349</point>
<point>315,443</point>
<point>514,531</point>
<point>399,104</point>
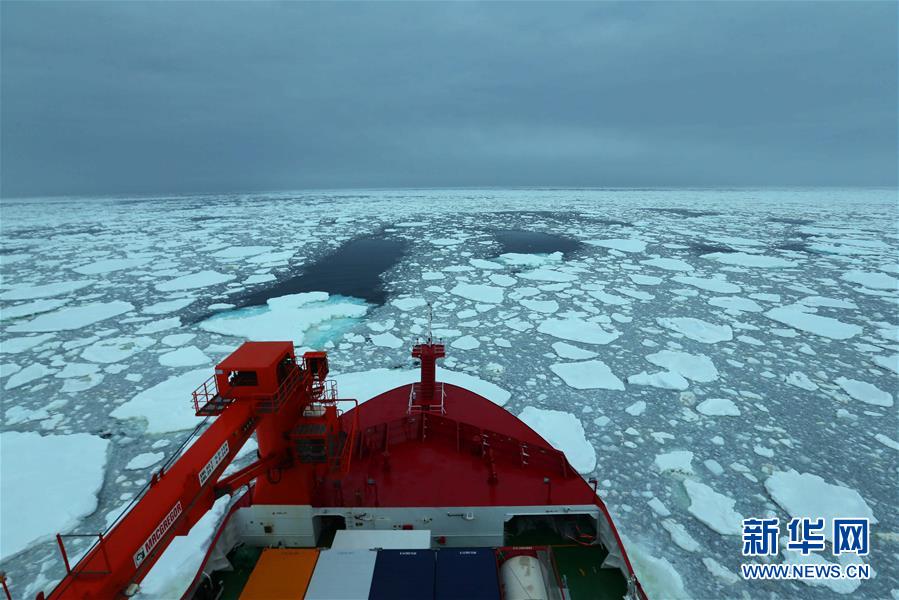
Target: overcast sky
<point>133,97</point>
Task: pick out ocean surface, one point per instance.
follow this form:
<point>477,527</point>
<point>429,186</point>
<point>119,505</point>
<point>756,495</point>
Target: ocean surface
<point>707,355</point>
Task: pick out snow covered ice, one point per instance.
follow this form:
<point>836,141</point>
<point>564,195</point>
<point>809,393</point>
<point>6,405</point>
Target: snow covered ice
<point>697,385</point>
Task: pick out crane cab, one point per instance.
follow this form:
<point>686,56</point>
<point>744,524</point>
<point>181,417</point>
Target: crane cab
<point>256,370</point>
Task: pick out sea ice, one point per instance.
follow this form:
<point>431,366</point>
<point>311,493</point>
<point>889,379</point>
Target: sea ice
<point>590,374</point>
<point>669,264</point>
<point>696,367</point>
<point>577,330</point>
<point>865,392</point>
<point>193,281</point>
<point>478,292</point>
<point>808,495</point>
<point>572,352</point>
<point>109,265</point>
<point>823,326</point>
<point>718,286</point>
<point>142,461</point>
<point>30,292</point>
<point>112,350</point>
<point>718,407</point>
<point>714,509</point>
<point>564,432</point>
<point>187,356</point>
<point>750,260</point>
<point>75,317</point>
<point>166,406</point>
<point>680,461</point>
<point>65,474</point>
<point>697,329</point>
<point>624,245</point>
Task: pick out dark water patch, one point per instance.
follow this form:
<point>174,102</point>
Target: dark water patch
<point>520,241</point>
<point>790,221</point>
<point>354,270</point>
<point>559,216</point>
<point>685,212</point>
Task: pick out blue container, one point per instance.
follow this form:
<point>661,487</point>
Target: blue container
<point>466,574</point>
<point>403,575</point>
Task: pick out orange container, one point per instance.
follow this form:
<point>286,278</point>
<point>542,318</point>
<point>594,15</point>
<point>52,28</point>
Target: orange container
<point>281,574</point>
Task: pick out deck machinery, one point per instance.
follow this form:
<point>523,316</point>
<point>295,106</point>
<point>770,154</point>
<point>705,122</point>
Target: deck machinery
<point>427,467</point>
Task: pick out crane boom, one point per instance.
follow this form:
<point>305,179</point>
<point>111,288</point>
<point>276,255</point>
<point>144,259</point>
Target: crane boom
<point>259,388</point>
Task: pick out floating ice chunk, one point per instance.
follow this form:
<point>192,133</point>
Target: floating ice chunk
<point>645,279</point>
<point>69,471</point>
<point>178,339</point>
<point>697,329</point>
<point>364,385</point>
<point>680,461</point>
<point>697,367</point>
<point>386,340</point>
<point>432,275</point>
<point>270,257</point>
<point>478,292</point>
<point>823,326</point>
<point>807,495</point>
<point>607,298</point>
<point>75,317</point>
<point>719,286</point>
<point>447,241</point>
<point>817,301</point>
<point>173,573</point>
<point>801,380</point>
<point>167,306</point>
<point>166,406</point>
<point>564,432</point>
<point>193,281</point>
<point>666,380</point>
<point>720,571</point>
<point>296,315</point>
<point>242,251</point>
<point>572,352</point>
<point>750,260</point>
<point>480,263</point>
<point>890,362</point>
<point>658,508</point>
<point>142,461</point>
<point>77,370</point>
<point>543,306</point>
<point>680,536</point>
<point>669,264</point>
<point>21,344</point>
<point>503,280</point>
<point>586,375</point>
<point>30,292</point>
<point>188,356</point>
<point>530,260</point>
<point>406,304</point>
<point>30,373</point>
<point>718,407</point>
<point>466,342</point>
<point>874,281</point>
<point>624,245</point>
<point>886,441</point>
<point>636,409</point>
<point>658,577</point>
<point>32,308</point>
<point>735,303</point>
<point>109,265</point>
<point>763,451</point>
<point>865,392</point>
<point>714,509</point>
<point>577,330</point>
<point>160,325</point>
<point>112,350</point>
<point>547,275</point>
<point>7,369</point>
<point>840,586</point>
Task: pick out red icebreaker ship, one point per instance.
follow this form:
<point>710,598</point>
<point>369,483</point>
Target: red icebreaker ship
<point>427,491</point>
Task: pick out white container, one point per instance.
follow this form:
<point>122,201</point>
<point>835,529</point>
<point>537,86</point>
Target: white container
<point>523,579</point>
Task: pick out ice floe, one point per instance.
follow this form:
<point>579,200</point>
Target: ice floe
<point>824,326</point>
<point>577,330</point>
<point>109,265</point>
<point>166,406</point>
<point>47,290</point>
<point>714,509</point>
<point>696,367</point>
<point>478,292</point>
<point>743,259</point>
<point>808,495</point>
<point>718,407</point>
<point>590,374</point>
<point>564,432</point>
<point>193,281</point>
<point>624,245</point>
<point>49,483</point>
<point>116,349</point>
<point>697,329</point>
<point>75,317</point>
<point>865,392</point>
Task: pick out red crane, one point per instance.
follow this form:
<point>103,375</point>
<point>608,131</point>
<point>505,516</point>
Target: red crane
<point>259,388</point>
